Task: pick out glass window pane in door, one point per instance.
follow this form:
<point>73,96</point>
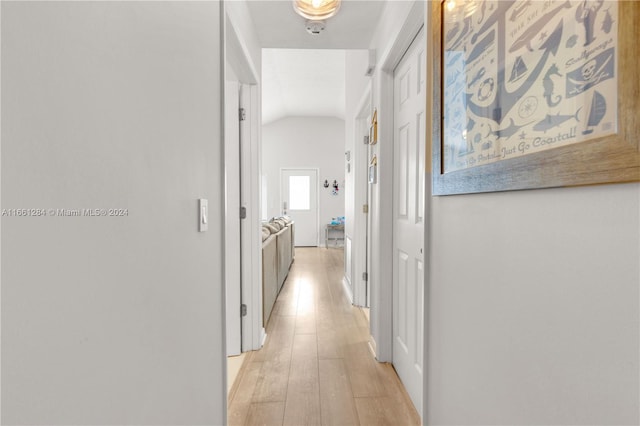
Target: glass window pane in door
<point>299,193</point>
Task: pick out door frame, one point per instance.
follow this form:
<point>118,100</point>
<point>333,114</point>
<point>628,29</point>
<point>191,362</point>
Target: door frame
<point>411,54</point>
<point>253,332</point>
<point>382,254</point>
<point>232,221</point>
<point>281,198</point>
<point>360,191</point>
<point>237,56</point>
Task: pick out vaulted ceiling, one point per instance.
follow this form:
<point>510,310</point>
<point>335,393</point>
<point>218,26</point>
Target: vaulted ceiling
<point>304,74</point>
<point>299,82</point>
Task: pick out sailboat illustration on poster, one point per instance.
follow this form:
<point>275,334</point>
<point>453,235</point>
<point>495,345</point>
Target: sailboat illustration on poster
<point>519,70</point>
<point>596,113</point>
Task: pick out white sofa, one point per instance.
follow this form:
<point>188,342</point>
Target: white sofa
<point>278,252</point>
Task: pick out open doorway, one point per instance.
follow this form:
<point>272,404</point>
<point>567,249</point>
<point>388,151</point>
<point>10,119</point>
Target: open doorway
<point>316,115</point>
<point>292,133</point>
<point>359,214</point>
<point>303,141</point>
<point>243,297</point>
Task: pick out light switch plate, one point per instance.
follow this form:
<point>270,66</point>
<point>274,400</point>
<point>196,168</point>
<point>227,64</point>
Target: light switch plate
<point>203,214</point>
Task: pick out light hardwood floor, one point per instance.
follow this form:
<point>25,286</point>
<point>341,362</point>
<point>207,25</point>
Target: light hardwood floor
<point>316,367</point>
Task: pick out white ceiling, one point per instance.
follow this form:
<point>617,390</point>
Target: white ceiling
<point>299,82</point>
<point>279,26</point>
<point>303,74</point>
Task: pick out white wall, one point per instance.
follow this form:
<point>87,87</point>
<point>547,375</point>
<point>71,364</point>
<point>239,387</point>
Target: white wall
<point>112,320</point>
<point>532,310</point>
<point>243,27</point>
<point>305,142</point>
<point>533,307</point>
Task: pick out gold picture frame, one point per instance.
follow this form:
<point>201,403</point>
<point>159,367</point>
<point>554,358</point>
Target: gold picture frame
<point>612,158</point>
<point>373,128</point>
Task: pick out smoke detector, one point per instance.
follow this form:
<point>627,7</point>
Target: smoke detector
<point>315,27</point>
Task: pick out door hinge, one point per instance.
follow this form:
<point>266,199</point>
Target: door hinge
<point>242,114</point>
<point>365,208</point>
<point>366,139</point>
<point>243,310</point>
<point>365,276</point>
<point>243,212</point>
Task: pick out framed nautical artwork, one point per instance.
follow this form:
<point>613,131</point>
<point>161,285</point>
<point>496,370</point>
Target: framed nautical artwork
<point>534,94</point>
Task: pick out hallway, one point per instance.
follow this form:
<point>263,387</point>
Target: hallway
<point>316,367</point>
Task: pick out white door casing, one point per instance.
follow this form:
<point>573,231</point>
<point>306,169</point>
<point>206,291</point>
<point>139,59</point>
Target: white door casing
<point>299,199</point>
<point>240,67</point>
<point>251,244</point>
<point>408,218</point>
<point>361,193</point>
<point>356,191</point>
<point>232,269</point>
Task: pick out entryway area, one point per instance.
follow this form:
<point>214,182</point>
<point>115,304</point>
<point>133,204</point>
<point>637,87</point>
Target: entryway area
<point>316,366</point>
<point>325,160</point>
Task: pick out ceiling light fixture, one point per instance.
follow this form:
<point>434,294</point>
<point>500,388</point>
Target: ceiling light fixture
<point>316,10</point>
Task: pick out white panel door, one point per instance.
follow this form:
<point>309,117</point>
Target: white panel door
<point>408,217</point>
<point>300,201</point>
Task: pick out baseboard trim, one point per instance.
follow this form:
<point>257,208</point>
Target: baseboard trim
<point>347,289</point>
<point>372,346</point>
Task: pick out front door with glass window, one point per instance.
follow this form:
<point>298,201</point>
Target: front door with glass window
<point>300,201</point>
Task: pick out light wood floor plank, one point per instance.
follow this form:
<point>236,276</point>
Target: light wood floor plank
<point>303,375</point>
<point>265,414</point>
<point>336,399</point>
<point>279,336</point>
<point>306,323</point>
<point>363,374</point>
<point>238,408</point>
<point>272,381</point>
<point>380,411</point>
<point>330,342</point>
<point>407,414</point>
<point>271,385</point>
<point>302,409</point>
<point>315,367</point>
